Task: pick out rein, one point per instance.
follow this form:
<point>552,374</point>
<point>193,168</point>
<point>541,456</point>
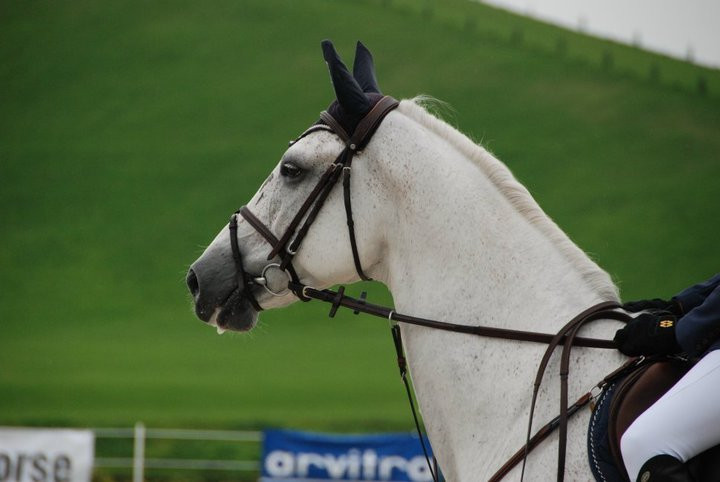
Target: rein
<point>338,299</point>
<point>567,337</point>
<point>286,248</point>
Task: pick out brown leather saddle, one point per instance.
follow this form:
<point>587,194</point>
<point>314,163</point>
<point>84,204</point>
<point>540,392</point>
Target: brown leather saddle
<point>636,393</point>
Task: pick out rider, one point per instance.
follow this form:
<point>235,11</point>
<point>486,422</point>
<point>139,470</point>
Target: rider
<point>685,421</point>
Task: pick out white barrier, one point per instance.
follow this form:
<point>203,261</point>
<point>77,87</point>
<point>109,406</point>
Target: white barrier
<point>39,455</point>
<point>138,462</point>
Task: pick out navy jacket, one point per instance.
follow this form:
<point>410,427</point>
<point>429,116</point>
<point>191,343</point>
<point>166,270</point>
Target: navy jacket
<point>698,330</point>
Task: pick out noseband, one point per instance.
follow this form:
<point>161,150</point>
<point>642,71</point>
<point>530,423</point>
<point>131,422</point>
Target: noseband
<point>286,247</point>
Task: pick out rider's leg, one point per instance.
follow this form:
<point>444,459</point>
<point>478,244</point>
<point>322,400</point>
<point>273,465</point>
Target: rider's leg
<point>682,424</point>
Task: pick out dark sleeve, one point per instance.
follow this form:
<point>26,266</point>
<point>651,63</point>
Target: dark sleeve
<point>696,295</point>
<point>700,327</point>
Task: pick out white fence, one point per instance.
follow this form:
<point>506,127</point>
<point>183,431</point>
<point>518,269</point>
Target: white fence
<point>140,434</point>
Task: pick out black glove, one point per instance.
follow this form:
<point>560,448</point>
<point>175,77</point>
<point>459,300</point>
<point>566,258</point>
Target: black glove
<point>671,306</point>
<point>648,334</point>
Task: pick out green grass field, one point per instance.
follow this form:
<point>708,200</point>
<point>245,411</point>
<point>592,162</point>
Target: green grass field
<point>129,131</point>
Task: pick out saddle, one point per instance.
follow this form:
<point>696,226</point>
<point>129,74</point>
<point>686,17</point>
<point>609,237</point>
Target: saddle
<point>630,397</point>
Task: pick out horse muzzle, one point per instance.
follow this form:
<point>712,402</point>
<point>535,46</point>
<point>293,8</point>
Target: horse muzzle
<point>218,298</point>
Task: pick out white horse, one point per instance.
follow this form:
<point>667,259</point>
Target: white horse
<point>455,237</point>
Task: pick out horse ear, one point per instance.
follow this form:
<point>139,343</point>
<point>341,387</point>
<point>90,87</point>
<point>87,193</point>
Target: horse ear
<point>348,92</point>
<point>364,69</point>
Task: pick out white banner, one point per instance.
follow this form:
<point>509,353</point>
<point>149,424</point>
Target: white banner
<point>46,455</point>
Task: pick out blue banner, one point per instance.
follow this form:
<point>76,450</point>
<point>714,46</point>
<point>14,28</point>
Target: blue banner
<point>305,456</point>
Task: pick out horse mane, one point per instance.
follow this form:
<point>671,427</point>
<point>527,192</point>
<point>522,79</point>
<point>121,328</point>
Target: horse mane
<point>518,196</point>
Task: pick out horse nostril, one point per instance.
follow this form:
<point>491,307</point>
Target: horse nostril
<point>193,284</point>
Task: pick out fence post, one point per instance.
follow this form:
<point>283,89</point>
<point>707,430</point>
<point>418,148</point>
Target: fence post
<point>139,452</point>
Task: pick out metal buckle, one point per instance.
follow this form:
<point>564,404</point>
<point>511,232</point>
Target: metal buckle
<point>595,393</point>
<point>262,280</point>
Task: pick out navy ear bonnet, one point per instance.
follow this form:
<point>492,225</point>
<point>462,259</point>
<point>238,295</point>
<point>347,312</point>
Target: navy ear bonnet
<point>355,93</point>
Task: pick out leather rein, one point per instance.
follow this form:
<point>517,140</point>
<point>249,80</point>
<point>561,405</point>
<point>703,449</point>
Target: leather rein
<point>286,247</point>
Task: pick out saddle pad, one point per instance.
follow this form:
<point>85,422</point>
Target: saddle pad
<point>600,457</point>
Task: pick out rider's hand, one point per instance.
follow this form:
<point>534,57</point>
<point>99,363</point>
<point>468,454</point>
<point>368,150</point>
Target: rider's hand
<point>656,304</point>
<point>648,334</point>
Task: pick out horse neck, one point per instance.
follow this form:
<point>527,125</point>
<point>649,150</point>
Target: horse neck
<point>460,247</point>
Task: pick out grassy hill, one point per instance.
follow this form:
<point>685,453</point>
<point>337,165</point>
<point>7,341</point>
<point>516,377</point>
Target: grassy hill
<point>129,131</point>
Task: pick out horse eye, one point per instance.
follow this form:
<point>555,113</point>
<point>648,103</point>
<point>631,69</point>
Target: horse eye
<point>288,169</point>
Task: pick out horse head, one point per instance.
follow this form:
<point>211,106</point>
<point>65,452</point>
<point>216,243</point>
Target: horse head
<point>268,252</point>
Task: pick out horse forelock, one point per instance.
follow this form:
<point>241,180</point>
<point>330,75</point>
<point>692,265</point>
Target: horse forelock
<point>519,197</point>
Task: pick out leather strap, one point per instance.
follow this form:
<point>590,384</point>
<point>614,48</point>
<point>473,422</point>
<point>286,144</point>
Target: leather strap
<point>259,226</point>
<point>315,201</point>
<point>310,130</point>
<point>283,246</point>
<point>536,439</point>
<point>402,365</point>
<point>285,238</point>
<point>369,124</point>
<point>567,336</point>
<point>334,125</point>
<point>243,283</point>
<point>363,306</point>
<point>265,232</point>
<point>318,204</point>
<point>347,198</point>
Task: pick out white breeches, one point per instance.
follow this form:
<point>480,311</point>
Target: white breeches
<point>682,423</point>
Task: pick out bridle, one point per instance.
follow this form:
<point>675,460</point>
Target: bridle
<point>286,247</point>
